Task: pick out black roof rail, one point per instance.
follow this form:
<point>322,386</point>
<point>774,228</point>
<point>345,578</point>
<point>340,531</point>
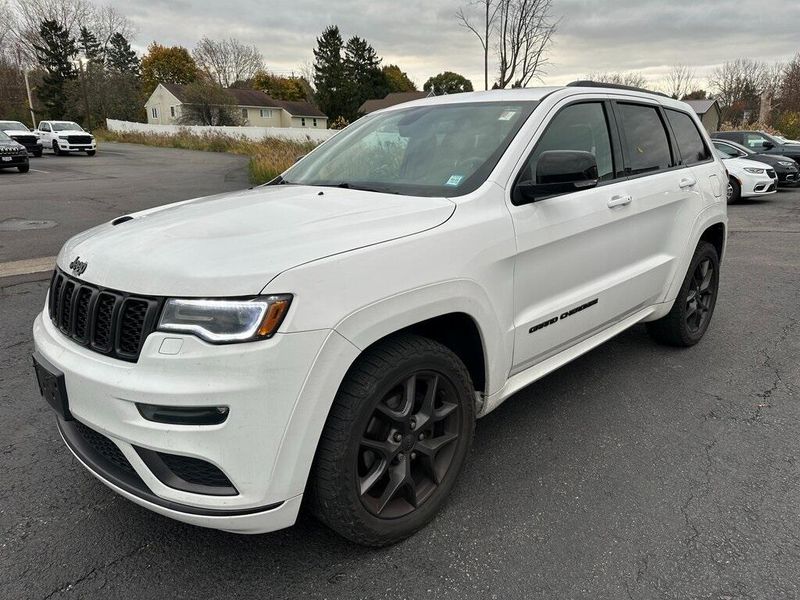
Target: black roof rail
<point>616,86</point>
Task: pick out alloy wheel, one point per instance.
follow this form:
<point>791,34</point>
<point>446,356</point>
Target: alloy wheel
<point>408,445</point>
<point>700,297</point>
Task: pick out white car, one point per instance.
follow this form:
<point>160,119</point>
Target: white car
<point>20,133</point>
<point>333,336</point>
<point>748,178</point>
<point>66,136</point>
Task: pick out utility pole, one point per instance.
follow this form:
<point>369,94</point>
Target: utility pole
<point>27,84</point>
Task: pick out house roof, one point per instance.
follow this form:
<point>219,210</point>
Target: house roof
<point>701,107</point>
<point>390,100</point>
<point>257,98</point>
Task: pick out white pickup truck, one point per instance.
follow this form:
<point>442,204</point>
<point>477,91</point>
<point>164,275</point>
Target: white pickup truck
<point>66,136</point>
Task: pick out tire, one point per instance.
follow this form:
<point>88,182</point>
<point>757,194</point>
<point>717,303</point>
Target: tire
<point>24,168</point>
<point>734,191</point>
<point>91,152</point>
<point>56,149</point>
<point>365,454</point>
<point>685,324</point>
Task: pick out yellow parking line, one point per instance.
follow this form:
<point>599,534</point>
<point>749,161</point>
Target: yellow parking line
<point>27,266</point>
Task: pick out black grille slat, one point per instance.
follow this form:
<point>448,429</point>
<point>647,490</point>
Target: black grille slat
<point>104,447</point>
<point>81,325</point>
<point>131,325</point>
<point>106,321</point>
<point>65,308</point>
<point>194,470</point>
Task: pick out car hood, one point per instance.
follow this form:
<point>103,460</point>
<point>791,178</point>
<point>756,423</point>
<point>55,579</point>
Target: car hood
<point>17,132</point>
<point>234,244</point>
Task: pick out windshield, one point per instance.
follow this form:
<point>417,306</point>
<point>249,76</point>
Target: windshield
<point>66,127</point>
<point>439,150</point>
<point>4,137</point>
<point>15,125</point>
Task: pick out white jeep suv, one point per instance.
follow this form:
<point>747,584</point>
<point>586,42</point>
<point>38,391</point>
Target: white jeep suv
<point>332,336</point>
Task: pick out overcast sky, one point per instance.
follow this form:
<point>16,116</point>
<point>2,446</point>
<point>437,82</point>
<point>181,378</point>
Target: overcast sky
<point>423,37</point>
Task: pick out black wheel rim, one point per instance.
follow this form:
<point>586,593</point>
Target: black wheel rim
<point>700,298</point>
<point>408,445</point>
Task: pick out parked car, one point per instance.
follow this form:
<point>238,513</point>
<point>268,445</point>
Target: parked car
<point>761,142</point>
<point>748,178</point>
<point>784,140</point>
<point>13,154</point>
<point>20,133</point>
<point>786,169</point>
<point>66,136</point>
<point>334,334</point>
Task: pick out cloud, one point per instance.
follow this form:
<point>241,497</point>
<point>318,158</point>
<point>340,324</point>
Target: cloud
<point>423,37</point>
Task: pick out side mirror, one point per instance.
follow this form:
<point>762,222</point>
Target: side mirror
<point>767,145</point>
<point>559,172</point>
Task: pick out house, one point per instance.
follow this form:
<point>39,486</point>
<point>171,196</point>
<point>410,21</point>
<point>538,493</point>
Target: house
<point>258,109</point>
<point>390,100</point>
<point>709,113</point>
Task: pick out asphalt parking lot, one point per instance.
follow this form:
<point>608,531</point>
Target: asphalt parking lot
<point>635,472</point>
<point>73,192</point>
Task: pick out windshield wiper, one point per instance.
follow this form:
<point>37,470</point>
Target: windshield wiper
<point>363,188</point>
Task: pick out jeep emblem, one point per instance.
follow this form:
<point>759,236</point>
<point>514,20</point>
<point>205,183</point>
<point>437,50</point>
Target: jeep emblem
<point>78,266</point>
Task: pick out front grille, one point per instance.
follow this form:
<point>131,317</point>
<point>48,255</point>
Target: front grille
<point>106,321</point>
<point>104,447</point>
<point>79,139</point>
<point>25,140</point>
<point>771,173</point>
<point>194,470</point>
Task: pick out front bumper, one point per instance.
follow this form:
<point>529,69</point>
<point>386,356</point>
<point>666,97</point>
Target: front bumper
<point>17,160</point>
<point>66,146</point>
<point>758,185</point>
<point>260,382</point>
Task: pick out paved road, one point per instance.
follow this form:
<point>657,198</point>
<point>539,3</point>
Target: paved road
<point>77,191</point>
<point>636,472</point>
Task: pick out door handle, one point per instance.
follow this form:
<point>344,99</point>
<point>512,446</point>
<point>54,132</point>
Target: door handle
<point>619,201</point>
<point>687,182</point>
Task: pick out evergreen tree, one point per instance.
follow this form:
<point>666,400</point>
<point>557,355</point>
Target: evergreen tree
<point>329,74</point>
<point>121,58</point>
<point>54,54</point>
<point>90,47</point>
<point>363,75</point>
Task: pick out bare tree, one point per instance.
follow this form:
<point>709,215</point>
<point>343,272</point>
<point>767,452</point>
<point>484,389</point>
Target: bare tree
<point>105,22</point>
<point>483,29</point>
<point>525,31</point>
<point>680,80</point>
<point>632,78</point>
<point>29,15</point>
<point>739,85</point>
<point>227,61</point>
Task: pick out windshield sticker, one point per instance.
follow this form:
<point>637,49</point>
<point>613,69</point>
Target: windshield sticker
<point>507,115</point>
<point>454,180</point>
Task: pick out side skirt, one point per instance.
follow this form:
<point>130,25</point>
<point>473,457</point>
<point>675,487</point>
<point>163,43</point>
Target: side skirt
<point>516,382</point>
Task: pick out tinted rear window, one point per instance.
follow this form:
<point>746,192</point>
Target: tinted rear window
<point>690,143</point>
<point>646,142</point>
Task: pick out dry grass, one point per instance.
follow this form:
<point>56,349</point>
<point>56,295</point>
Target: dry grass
<point>268,158</point>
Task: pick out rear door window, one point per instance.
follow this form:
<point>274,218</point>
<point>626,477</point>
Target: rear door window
<point>690,143</point>
<point>646,144</point>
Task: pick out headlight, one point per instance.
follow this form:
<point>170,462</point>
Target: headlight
<point>754,170</point>
<point>786,163</point>
<point>226,321</point>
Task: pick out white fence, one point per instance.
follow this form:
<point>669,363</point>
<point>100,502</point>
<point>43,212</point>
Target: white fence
<point>257,134</point>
